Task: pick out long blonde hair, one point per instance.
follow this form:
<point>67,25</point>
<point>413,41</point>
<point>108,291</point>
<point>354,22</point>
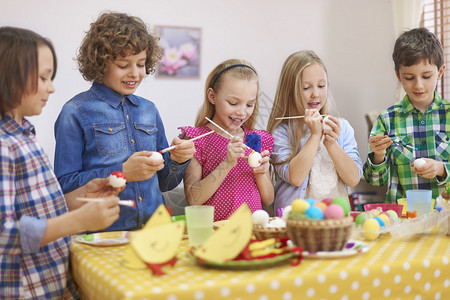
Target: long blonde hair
<point>289,100</point>
<point>241,69</point>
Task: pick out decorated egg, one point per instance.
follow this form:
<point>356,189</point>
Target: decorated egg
<point>371,229</point>
<point>286,212</point>
<point>385,219</point>
<point>310,201</point>
<point>300,206</point>
<point>334,211</point>
<point>260,217</point>
<point>314,213</point>
<point>325,125</point>
<point>393,214</point>
<point>379,220</point>
<point>321,205</point>
<point>420,162</point>
<point>117,179</point>
<point>254,159</point>
<point>156,156</point>
<point>361,218</point>
<point>327,201</point>
<point>342,202</point>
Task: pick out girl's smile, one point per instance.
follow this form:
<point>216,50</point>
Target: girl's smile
<point>234,102</point>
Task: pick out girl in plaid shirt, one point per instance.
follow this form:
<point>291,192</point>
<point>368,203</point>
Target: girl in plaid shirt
<point>35,225</point>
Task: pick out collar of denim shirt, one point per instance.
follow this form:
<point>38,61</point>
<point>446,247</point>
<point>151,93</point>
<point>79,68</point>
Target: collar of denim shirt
<point>110,96</point>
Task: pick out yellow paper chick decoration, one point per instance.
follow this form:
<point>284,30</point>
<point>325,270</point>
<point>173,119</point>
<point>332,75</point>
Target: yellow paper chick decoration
<point>157,245</point>
<point>132,261</point>
<point>229,240</point>
<point>160,217</point>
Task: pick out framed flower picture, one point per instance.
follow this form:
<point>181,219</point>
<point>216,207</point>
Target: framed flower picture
<point>181,52</point>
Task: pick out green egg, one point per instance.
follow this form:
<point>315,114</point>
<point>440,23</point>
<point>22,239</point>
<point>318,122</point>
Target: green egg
<point>393,214</point>
<point>361,218</point>
<point>342,202</point>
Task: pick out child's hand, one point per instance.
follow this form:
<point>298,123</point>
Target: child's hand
<point>235,149</point>
<point>313,120</point>
<point>331,136</point>
<point>140,166</point>
<point>183,151</point>
<point>99,215</point>
<point>431,169</point>
<point>378,144</point>
<point>265,165</point>
<point>100,187</point>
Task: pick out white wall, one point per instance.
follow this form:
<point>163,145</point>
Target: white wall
<point>354,37</point>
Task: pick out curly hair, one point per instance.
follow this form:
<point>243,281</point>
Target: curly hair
<point>115,34</point>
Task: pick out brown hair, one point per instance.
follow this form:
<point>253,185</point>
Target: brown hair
<point>19,65</point>
<point>289,97</point>
<point>115,34</point>
<point>415,45</point>
<point>237,68</point>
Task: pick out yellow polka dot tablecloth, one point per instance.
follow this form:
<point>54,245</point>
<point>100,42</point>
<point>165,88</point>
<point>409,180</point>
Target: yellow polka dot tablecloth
<point>416,267</point>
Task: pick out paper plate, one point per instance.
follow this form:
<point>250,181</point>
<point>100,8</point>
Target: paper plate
<point>112,238</point>
<point>244,264</point>
<point>352,248</point>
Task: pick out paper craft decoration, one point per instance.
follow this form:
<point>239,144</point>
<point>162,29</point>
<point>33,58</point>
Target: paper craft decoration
<point>231,246</point>
<point>156,244</point>
<point>229,240</point>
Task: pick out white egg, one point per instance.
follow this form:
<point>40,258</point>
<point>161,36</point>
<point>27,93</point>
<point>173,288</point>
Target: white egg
<point>286,212</point>
<point>117,182</point>
<point>254,159</point>
<point>156,156</point>
<point>325,125</point>
<point>419,162</point>
<point>260,217</point>
<point>277,223</point>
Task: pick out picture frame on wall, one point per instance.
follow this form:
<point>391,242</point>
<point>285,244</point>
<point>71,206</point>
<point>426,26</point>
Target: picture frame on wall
<point>181,52</point>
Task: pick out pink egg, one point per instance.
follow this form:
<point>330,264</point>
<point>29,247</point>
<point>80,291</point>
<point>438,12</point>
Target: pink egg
<point>334,211</point>
<point>321,205</point>
<point>327,201</point>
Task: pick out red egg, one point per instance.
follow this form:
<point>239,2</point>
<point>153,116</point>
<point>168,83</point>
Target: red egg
<point>334,211</point>
<point>327,201</point>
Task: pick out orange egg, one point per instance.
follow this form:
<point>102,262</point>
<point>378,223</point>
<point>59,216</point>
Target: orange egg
<point>321,205</point>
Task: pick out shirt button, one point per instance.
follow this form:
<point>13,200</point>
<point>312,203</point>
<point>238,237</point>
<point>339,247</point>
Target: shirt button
<point>132,141</point>
<point>128,117</point>
<point>422,122</point>
<point>140,199</point>
<point>110,129</point>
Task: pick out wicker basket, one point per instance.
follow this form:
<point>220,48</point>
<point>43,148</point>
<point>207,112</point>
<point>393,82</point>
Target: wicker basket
<point>320,235</point>
<point>262,233</point>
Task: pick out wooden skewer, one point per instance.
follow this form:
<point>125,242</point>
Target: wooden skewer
<point>226,132</point>
<point>293,117</point>
<point>130,203</point>
<point>193,139</point>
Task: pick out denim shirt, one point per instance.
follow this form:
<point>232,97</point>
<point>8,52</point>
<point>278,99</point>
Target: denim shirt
<point>97,131</point>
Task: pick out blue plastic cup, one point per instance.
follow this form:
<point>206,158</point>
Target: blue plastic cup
<point>419,201</point>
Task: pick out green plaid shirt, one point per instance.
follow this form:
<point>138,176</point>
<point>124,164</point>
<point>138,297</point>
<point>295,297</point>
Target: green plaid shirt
<point>414,135</point>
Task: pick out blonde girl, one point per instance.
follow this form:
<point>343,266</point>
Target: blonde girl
<point>310,161</point>
<point>219,173</point>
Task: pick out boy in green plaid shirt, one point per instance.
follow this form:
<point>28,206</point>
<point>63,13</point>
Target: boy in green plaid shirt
<point>416,127</point>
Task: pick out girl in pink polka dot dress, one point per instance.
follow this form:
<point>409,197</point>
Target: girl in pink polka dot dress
<point>219,174</point>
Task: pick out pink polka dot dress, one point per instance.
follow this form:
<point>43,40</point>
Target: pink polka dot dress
<point>239,185</point>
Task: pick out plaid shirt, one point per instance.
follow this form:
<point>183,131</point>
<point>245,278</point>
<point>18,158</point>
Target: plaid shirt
<point>29,194</point>
<point>414,135</point>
